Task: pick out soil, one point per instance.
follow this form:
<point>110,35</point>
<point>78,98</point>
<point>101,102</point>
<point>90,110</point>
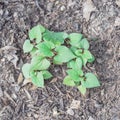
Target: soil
<point>99,21</point>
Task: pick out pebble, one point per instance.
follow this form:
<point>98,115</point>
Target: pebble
<point>15,15</point>
<point>90,118</point>
<point>1,12</point>
<point>70,112</point>
<point>62,8</point>
<point>99,60</point>
<point>6,13</point>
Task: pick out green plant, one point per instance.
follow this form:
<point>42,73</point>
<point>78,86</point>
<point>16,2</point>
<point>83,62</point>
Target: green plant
<point>48,47</point>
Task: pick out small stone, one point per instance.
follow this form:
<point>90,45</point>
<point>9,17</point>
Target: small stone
<point>118,2</point>
<point>36,116</point>
<point>90,118</point>
<point>6,13</point>
<point>70,112</point>
<point>62,8</point>
<point>3,60</point>
<point>99,60</point>
<point>1,12</point>
<point>57,2</point>
<point>117,21</point>
<point>15,15</point>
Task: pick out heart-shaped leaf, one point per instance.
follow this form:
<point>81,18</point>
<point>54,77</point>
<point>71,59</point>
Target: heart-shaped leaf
<point>75,39</point>
<point>91,81</point>
<point>42,65</point>
<point>79,63</point>
<point>45,49</point>
<point>75,74</point>
<point>82,89</point>
<point>34,51</point>
<point>37,79</point>
<point>84,44</point>
<point>27,46</point>
<point>55,37</point>
<point>64,55</point>
<point>75,64</point>
<point>26,70</point>
<point>37,59</point>
<point>68,81</point>
<point>87,54</point>
<point>92,59</point>
<point>36,33</point>
<point>46,74</point>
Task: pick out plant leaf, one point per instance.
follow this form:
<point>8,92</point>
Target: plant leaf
<point>84,44</point>
<point>37,79</point>
<point>87,54</point>
<point>79,63</point>
<point>68,81</point>
<point>45,49</point>
<point>26,70</point>
<point>75,74</point>
<point>78,52</point>
<point>36,60</point>
<point>75,64</point>
<point>75,39</point>
<point>82,89</point>
<point>36,33</point>
<point>27,46</point>
<point>64,54</point>
<point>91,81</point>
<point>42,65</point>
<point>34,51</point>
<point>92,59</point>
<point>55,37</point>
<point>46,74</point>
<point>84,60</point>
<point>42,29</point>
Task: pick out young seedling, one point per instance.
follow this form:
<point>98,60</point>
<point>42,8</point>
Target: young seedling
<point>48,47</point>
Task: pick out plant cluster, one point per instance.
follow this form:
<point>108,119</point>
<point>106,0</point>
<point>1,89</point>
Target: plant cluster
<point>48,47</point>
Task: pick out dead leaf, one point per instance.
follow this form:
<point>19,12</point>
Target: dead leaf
<point>88,7</point>
<point>26,81</point>
<point>20,78</point>
<point>75,104</point>
<point>53,80</point>
<point>33,87</point>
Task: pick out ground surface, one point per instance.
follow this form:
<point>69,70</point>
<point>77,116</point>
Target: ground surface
<point>95,19</point>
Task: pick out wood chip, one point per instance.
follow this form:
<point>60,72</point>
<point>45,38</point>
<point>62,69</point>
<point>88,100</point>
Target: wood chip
<point>75,104</point>
<point>20,78</point>
<point>88,7</point>
<point>9,97</point>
